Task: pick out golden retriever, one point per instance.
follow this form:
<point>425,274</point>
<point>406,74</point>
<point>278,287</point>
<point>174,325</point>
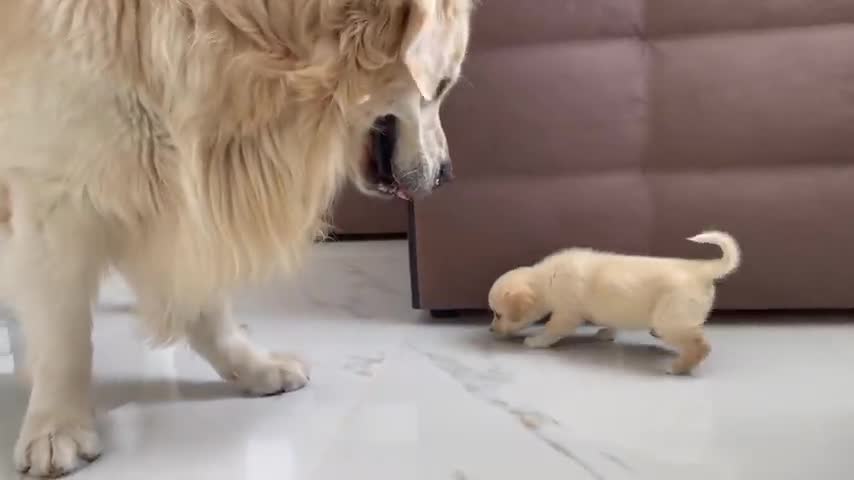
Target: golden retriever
<point>195,146</point>
<point>669,296</point>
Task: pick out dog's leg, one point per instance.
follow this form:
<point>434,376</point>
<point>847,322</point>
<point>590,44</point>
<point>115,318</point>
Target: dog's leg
<point>211,332</point>
<point>678,321</point>
<point>225,345</point>
<point>55,267</point>
<point>561,325</point>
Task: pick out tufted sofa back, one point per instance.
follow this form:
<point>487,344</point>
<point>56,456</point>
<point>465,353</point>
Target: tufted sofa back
<point>629,125</point>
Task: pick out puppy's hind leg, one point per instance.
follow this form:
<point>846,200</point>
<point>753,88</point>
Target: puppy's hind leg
<point>693,349</point>
<point>679,322</point>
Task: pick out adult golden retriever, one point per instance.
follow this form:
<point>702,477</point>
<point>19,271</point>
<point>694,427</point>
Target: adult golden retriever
<point>194,146</point>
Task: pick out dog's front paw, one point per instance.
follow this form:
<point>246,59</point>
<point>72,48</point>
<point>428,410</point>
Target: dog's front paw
<point>272,374</point>
<point>540,341</point>
<point>50,447</point>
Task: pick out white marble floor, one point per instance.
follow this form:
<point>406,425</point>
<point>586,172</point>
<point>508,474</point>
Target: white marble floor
<point>398,396</point>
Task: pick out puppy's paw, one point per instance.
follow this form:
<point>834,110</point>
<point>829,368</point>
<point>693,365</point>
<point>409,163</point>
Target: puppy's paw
<point>678,369</point>
<point>605,335</point>
<point>682,366</point>
<point>694,351</point>
<point>53,446</point>
<point>540,341</point>
<point>271,374</point>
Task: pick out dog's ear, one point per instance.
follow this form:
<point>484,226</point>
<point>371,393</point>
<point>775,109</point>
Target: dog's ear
<point>419,32</point>
<point>519,299</point>
<point>426,43</point>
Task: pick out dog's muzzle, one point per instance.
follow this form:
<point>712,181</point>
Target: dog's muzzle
<point>381,172</point>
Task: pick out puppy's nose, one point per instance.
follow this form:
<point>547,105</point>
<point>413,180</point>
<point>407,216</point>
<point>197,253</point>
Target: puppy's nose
<point>492,329</point>
<point>446,174</point>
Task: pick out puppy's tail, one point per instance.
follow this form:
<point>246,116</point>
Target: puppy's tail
<point>731,258</point>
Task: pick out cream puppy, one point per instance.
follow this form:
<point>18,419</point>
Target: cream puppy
<point>669,296</point>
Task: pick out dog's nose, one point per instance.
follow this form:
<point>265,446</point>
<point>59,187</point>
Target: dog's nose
<point>492,329</point>
<point>446,174</point>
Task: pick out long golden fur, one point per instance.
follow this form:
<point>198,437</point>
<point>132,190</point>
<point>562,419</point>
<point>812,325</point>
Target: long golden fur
<point>221,93</point>
<point>194,145</point>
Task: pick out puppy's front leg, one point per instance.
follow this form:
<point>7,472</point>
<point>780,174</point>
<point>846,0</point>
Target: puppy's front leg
<point>225,345</point>
<point>55,270</point>
<point>562,324</point>
<point>543,340</point>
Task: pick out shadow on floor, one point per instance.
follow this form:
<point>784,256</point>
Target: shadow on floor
<point>584,351</point>
<point>111,394</point>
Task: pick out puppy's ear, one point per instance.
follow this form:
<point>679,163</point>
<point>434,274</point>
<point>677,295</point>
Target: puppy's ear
<point>425,43</point>
<point>520,299</point>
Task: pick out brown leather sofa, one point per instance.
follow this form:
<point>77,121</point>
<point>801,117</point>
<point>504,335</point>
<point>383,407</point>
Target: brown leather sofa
<point>629,125</point>
<point>359,216</point>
